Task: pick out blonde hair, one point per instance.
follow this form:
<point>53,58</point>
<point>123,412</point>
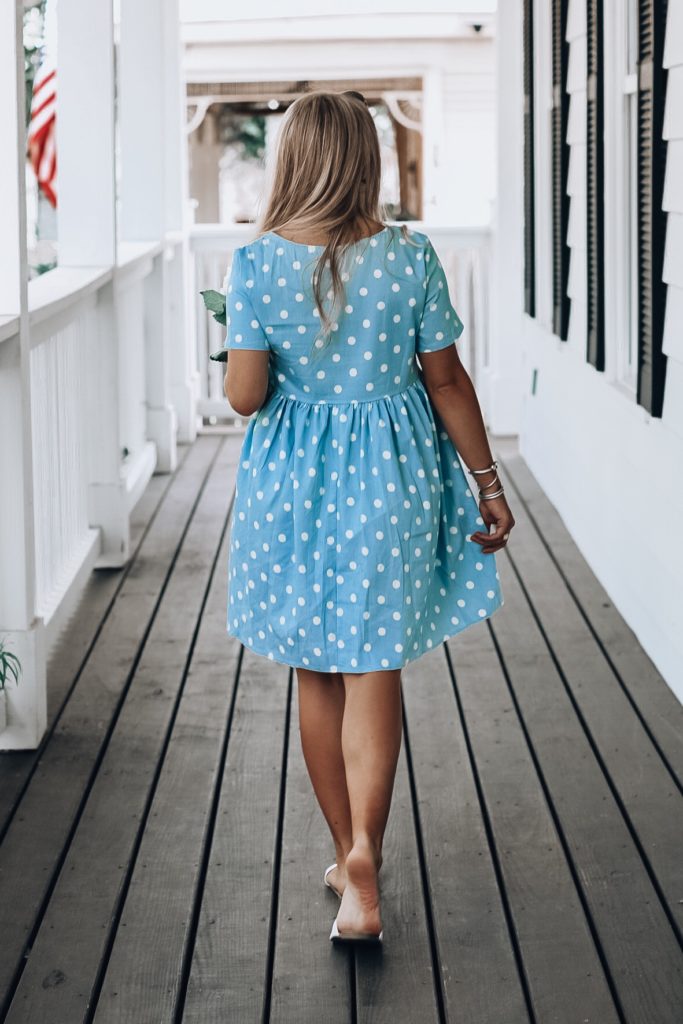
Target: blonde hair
<point>326,176</point>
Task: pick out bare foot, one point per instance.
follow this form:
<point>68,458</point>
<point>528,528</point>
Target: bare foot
<point>359,910</point>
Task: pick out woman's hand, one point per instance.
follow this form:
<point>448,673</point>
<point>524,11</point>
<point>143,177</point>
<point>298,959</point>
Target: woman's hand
<point>494,513</point>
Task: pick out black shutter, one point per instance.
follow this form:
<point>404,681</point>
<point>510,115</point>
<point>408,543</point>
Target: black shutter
<point>652,78</point>
<point>529,170</point>
<point>560,171</point>
<point>595,228</point>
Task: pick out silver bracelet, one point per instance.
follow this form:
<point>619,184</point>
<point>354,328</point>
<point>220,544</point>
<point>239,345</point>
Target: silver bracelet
<point>496,494</point>
<point>477,472</point>
<point>496,480</point>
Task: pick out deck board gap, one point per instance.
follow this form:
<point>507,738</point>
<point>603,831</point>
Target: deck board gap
<point>277,857</point>
<point>437,972</point>
<point>495,861</point>
<point>206,846</point>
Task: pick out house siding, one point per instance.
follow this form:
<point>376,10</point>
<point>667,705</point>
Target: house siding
<point>611,469</point>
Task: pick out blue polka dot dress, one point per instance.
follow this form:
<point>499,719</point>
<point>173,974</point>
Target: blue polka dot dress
<point>350,545</point>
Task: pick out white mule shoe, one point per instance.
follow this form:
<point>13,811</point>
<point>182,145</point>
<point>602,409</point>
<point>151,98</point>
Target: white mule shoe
<point>329,885</point>
<point>336,935</point>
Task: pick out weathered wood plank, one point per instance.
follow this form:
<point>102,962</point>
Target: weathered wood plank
<point>561,966</point>
<point>145,968</point>
<point>58,980</point>
<point>73,647</point>
<point>646,790</point>
<point>656,703</point>
<point>396,982</point>
<point>31,851</point>
<point>228,971</point>
<point>480,977</point>
<point>310,978</point>
<point>638,947</point>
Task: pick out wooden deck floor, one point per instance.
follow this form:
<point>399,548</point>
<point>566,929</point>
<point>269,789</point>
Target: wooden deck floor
<point>162,853</point>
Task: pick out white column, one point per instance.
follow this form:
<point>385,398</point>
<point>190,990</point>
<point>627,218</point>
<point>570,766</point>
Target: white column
<point>86,211</point>
<point>183,376</point>
<point>507,374</point>
<point>85,134</point>
<point>24,706</point>
<point>150,185</point>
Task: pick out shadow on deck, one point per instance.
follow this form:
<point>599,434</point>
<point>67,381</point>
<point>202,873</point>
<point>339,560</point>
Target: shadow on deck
<point>162,853</point>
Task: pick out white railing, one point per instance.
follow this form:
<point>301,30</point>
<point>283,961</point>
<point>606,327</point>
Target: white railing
<point>466,257</point>
<point>85,419</point>
<point>64,540</point>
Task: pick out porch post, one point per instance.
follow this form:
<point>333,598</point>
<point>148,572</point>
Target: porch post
<point>23,708</point>
<point>88,237</point>
<point>152,206</point>
<point>506,381</point>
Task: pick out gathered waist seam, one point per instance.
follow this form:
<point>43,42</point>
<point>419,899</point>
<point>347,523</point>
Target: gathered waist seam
<point>347,401</point>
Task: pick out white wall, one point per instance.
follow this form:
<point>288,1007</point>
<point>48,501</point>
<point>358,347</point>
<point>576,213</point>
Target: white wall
<point>613,471</point>
<point>456,65</point>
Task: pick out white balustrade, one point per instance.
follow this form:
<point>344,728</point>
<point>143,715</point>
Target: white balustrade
<point>64,540</point>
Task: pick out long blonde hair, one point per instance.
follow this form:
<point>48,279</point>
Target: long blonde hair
<point>326,177</point>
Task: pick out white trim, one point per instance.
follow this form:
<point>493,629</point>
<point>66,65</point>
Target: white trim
<point>543,161</point>
<point>621,243</point>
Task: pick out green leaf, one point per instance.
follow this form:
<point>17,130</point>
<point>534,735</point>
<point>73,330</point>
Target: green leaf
<point>221,356</point>
<point>213,300</point>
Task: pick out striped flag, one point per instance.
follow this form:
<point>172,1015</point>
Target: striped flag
<point>42,129</point>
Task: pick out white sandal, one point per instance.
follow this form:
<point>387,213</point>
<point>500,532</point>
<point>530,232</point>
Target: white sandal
<point>336,936</point>
<point>329,884</point>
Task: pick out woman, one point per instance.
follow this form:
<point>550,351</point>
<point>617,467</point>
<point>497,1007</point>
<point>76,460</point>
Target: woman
<point>355,544</point>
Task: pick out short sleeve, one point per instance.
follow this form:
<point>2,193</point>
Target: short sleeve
<point>243,329</point>
<point>440,325</point>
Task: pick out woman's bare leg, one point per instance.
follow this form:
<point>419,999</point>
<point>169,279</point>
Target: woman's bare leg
<point>321,710</point>
<point>371,743</point>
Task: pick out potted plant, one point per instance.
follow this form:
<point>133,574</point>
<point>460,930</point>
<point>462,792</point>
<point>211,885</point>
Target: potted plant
<point>10,667</point>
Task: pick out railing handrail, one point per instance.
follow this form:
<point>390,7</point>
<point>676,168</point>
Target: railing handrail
<point>202,235</point>
<point>9,326</point>
<point>55,291</point>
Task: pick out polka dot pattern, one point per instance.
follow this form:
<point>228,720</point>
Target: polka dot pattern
<point>350,543</point>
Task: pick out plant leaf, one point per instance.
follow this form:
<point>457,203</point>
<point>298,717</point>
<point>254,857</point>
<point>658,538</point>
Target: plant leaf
<point>213,300</point>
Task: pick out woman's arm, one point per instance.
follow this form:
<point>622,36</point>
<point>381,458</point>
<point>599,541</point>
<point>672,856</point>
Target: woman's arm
<point>452,394</point>
<point>246,380</point>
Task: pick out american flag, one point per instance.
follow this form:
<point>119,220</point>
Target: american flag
<point>42,129</point>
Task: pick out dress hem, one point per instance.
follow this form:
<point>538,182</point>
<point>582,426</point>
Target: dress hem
<point>354,670</point>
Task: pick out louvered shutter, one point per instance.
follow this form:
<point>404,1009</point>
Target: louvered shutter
<point>651,218</point>
<point>529,169</point>
<point>595,230</point>
<point>560,169</point>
